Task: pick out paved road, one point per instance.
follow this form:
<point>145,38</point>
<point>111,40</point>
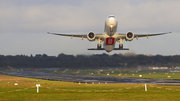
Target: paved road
<point>89,78</point>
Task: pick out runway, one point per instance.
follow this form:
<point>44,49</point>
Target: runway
<point>89,78</point>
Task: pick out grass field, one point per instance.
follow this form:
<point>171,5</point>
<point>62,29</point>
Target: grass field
<point>147,75</point>
<point>56,90</point>
<point>154,74</point>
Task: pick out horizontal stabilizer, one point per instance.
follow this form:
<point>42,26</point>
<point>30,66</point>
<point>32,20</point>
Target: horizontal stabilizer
<point>121,49</point>
<point>104,49</point>
<point>96,49</point>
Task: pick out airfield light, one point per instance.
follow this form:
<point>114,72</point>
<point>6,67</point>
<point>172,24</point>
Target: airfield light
<point>15,84</point>
<point>120,74</point>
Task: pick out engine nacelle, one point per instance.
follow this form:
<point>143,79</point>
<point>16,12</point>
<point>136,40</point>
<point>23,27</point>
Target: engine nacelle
<point>129,36</point>
<point>91,36</point>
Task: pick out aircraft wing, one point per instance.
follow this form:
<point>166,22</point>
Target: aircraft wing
<point>148,35</point>
<point>137,36</point>
<point>70,35</point>
<point>98,36</point>
<point>119,36</point>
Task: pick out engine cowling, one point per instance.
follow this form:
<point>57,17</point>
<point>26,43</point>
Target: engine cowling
<point>91,36</point>
<point>129,36</point>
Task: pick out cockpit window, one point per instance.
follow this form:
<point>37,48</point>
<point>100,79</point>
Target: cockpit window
<point>111,16</point>
<point>111,30</point>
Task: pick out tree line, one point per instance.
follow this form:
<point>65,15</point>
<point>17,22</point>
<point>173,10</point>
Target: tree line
<point>84,61</point>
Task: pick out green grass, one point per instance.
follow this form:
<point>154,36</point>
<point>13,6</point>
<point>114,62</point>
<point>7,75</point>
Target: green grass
<point>146,75</point>
<point>56,90</point>
<point>159,74</point>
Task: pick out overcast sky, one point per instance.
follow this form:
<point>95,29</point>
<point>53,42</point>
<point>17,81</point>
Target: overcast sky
<point>24,25</point>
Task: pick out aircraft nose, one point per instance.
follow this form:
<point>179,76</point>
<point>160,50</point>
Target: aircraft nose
<point>111,22</point>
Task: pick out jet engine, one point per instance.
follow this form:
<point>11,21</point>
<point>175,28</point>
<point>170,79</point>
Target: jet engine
<point>129,36</point>
<point>91,36</point>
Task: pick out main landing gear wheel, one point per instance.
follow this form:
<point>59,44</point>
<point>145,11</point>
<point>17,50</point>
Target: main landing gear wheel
<point>121,46</point>
<point>98,46</point>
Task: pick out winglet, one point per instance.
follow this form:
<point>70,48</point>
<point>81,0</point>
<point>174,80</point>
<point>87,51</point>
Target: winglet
<point>48,33</point>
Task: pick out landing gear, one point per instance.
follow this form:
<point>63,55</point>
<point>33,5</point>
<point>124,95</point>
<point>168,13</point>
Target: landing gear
<point>98,46</point>
<point>121,46</point>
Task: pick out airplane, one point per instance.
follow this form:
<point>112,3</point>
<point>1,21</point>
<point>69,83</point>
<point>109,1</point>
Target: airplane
<point>110,36</point>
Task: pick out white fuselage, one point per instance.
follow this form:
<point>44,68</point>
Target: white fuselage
<point>110,30</point>
<point>110,36</point>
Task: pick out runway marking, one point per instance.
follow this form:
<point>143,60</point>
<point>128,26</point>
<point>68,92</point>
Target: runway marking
<point>112,90</point>
<point>18,90</point>
<point>165,88</point>
<point>168,88</point>
<point>80,91</point>
<point>10,91</point>
<point>14,90</point>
